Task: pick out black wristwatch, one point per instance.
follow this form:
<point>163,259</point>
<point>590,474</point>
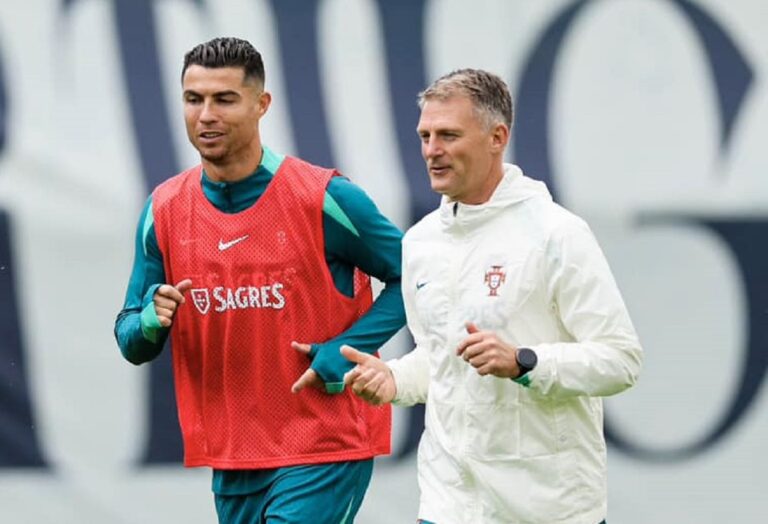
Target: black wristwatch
<point>526,360</point>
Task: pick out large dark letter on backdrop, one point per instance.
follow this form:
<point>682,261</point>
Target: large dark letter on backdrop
<point>135,24</point>
<point>19,447</point>
<point>732,78</point>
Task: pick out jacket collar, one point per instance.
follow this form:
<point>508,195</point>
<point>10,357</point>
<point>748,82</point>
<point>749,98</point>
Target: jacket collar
<point>513,189</point>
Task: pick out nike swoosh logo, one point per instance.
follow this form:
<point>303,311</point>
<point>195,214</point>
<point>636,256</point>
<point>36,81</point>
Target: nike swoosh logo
<point>226,245</point>
<point>420,285</point>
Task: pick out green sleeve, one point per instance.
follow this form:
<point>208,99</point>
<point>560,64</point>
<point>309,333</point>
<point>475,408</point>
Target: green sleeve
<point>357,234</point>
<point>137,329</point>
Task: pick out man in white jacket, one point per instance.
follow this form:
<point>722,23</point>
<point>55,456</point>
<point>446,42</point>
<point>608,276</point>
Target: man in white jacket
<point>520,329</point>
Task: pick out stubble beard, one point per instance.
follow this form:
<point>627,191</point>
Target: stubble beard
<point>213,159</point>
<point>217,158</point>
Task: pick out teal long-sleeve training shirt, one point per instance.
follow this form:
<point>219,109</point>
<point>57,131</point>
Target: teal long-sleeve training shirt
<point>356,235</point>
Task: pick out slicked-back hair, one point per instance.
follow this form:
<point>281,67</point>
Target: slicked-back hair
<point>227,52</point>
<point>489,94</point>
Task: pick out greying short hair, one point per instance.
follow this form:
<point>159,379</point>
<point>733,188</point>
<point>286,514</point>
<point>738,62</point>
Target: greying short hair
<point>489,94</point>
<point>227,52</point>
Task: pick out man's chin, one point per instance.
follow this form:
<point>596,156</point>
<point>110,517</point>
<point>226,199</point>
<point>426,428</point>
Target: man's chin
<point>213,158</point>
<point>439,186</point>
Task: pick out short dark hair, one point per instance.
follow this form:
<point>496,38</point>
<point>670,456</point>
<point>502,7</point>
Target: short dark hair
<point>227,52</point>
<point>488,92</point>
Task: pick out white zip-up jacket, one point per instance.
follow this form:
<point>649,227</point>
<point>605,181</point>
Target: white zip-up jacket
<point>496,450</point>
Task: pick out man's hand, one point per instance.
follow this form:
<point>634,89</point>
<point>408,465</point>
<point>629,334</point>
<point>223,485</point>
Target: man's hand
<point>167,299</point>
<point>310,376</point>
<point>371,379</point>
<point>488,354</point>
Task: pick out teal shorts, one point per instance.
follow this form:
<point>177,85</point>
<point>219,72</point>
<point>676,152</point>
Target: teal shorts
<point>321,494</point>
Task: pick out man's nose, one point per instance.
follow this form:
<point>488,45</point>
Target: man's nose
<point>207,113</point>
<point>432,148</point>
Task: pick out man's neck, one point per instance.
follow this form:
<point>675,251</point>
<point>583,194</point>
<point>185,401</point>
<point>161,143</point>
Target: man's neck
<point>236,170</point>
<point>486,190</point>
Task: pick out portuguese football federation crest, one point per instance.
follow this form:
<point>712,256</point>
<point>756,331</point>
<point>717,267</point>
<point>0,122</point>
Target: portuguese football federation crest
<point>201,300</point>
<point>494,278</point>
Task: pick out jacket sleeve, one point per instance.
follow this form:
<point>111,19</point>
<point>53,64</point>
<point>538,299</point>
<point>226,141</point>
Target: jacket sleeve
<point>137,329</point>
<point>359,235</point>
<point>604,356</point>
<point>411,371</point>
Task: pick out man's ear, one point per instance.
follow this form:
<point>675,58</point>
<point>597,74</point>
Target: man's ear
<point>499,137</point>
<point>265,99</point>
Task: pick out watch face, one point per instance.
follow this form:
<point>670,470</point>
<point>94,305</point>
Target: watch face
<point>526,358</point>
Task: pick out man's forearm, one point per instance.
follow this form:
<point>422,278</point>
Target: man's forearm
<point>134,346</point>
